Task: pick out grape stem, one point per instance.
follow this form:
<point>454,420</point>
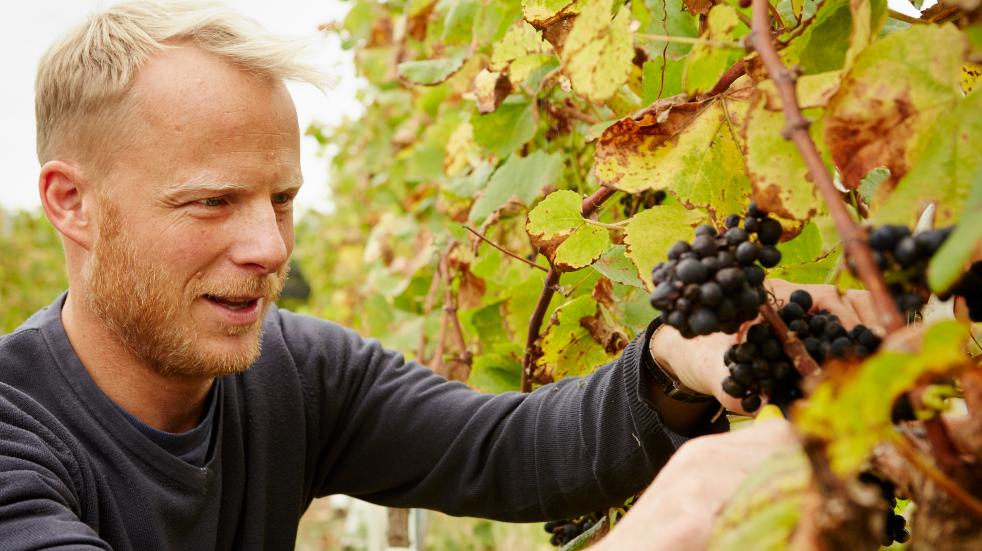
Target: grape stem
<point>590,205</point>
<point>449,323</point>
<point>793,346</point>
<point>689,40</point>
<point>734,72</point>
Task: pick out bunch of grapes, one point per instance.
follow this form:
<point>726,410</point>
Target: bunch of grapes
<point>895,526</point>
<point>716,282</point>
<point>903,259</point>
<point>566,530</point>
<point>645,200</point>
<point>760,367</point>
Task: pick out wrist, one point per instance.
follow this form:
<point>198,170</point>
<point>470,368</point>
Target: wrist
<point>668,349</point>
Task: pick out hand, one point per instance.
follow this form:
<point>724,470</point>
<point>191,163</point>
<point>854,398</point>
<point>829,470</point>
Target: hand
<point>698,363</point>
<point>678,509</point>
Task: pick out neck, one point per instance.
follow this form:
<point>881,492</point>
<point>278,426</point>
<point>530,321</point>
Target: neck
<point>167,403</point>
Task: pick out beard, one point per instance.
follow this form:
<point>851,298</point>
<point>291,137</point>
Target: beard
<point>150,313</point>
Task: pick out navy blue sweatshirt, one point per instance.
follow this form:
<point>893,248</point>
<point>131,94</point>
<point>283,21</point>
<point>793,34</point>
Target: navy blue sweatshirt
<point>322,411</point>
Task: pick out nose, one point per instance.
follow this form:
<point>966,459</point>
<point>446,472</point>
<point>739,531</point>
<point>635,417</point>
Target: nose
<point>264,239</point>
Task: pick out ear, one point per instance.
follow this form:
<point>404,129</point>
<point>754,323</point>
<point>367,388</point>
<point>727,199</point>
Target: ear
<point>66,198</point>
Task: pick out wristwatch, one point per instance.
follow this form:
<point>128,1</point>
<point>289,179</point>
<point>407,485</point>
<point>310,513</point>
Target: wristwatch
<point>672,387</point>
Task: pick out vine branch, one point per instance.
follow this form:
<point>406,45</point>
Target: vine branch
<point>796,130</point>
<point>589,206</point>
<point>793,346</point>
<point>504,250</point>
<point>734,72</point>
<point>853,238</point>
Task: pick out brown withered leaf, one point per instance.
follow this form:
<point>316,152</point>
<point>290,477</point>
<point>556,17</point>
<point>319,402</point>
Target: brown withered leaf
<point>698,7</point>
<point>471,290</point>
<point>491,88</point>
<point>612,338</point>
<point>554,24</point>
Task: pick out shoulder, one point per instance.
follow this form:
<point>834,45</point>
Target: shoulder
<point>307,337</point>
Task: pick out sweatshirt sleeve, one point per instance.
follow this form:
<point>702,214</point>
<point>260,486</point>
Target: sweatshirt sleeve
<point>394,433</point>
<point>40,473</point>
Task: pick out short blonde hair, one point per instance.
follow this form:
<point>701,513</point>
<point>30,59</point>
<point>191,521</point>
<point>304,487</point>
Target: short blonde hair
<point>83,79</point>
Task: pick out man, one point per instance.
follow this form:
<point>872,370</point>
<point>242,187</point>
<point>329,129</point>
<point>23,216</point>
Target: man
<point>162,403</point>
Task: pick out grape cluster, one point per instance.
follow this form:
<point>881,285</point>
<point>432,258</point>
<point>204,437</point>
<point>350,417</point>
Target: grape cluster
<point>895,526</point>
<point>566,530</point>
<point>903,259</point>
<point>760,367</point>
<point>970,287</point>
<point>645,200</point>
<point>716,282</point>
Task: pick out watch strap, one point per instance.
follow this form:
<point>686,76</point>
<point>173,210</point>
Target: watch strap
<point>672,387</point>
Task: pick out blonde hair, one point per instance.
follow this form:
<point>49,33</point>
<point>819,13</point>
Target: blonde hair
<point>83,79</point>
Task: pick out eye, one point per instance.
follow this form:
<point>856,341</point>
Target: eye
<point>212,202</point>
<point>282,198</point>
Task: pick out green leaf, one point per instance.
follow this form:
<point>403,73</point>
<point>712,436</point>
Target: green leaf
<point>520,177</point>
<point>495,373</point>
<point>651,232</point>
<point>521,40</point>
<point>950,157</point>
<point>432,71</point>
<point>458,26</point>
<point>891,98</point>
<point>652,81</point>
<point>766,506</point>
<point>557,226</point>
<point>617,267</point>
<point>582,247</point>
<point>780,178</point>
<point>543,10</point>
<point>706,63</point>
<point>667,17</point>
<point>948,263</point>
<point>568,348</point>
<point>851,411</point>
<point>556,216</point>
<point>507,129</point>
<point>598,52</point>
<point>690,149</point>
<point>871,182</point>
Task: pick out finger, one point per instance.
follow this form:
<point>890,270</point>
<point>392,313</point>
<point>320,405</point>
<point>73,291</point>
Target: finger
<point>862,303</point>
<point>828,298</point>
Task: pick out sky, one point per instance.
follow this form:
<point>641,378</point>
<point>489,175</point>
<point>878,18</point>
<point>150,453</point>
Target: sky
<point>33,25</point>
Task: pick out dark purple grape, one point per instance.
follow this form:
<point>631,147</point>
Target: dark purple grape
<point>691,271</point>
<point>675,319</point>
<point>770,231</point>
<point>758,333</point>
<point>746,352</point>
<point>783,371</point>
<point>841,346</point>
<point>734,388</point>
<point>813,346</point>
<point>735,236</point>
<point>705,229</point>
<point>732,221</point>
<point>726,259</point>
<point>884,238</point>
<point>703,321</point>
<point>800,327</point>
<point>833,331</point>
<point>769,256</point>
<point>730,279</point>
<point>751,224</point>
<point>754,210</point>
<point>677,249</point>
<point>817,324</point>
<point>771,350</point>
<point>726,311</point>
<point>683,305</point>
<point>907,252</point>
<point>663,295</point>
<point>750,403</point>
<point>704,245</point>
<point>710,293</point>
<point>746,253</point>
<point>930,241</point>
<point>754,275</point>
<point>743,373</point>
<point>691,292</point>
<point>747,300</point>
<point>761,368</point>
<point>792,311</point>
<point>711,264</point>
<point>870,340</point>
<point>803,298</point>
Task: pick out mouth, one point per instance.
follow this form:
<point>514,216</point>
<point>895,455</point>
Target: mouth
<point>233,303</point>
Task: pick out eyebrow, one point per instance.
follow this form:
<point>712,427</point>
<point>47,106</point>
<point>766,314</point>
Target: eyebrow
<point>193,187</point>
